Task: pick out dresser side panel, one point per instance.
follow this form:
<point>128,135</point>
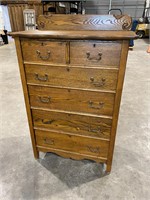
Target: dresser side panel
<point>26,95</point>
<point>123,60</point>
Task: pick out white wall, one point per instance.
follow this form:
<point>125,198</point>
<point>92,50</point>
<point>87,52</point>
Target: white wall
<point>4,18</point>
<point>1,19</point>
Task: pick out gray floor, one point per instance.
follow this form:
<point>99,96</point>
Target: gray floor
<point>56,178</point>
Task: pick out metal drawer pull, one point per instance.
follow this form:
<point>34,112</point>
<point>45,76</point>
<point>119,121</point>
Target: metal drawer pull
<point>49,141</point>
<point>43,57</point>
<point>98,84</point>
<point>99,56</point>
<point>91,105</point>
<point>93,149</point>
<point>47,121</point>
<point>96,130</point>
<point>45,99</point>
<point>41,78</point>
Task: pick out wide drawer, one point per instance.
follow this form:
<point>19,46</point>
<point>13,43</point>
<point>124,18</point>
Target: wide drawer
<point>72,123</point>
<point>77,77</point>
<point>71,100</point>
<point>40,51</point>
<point>72,143</point>
<point>103,53</point>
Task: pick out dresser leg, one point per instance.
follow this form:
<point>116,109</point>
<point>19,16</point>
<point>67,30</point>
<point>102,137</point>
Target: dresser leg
<point>36,154</point>
<point>108,169</point>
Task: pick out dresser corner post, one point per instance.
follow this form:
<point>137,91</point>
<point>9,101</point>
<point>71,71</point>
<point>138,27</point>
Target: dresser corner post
<point>121,75</point>
<point>26,95</point>
<point>36,154</point>
<point>108,168</point>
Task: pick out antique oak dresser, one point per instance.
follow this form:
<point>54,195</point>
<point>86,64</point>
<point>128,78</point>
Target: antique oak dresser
<point>72,73</point>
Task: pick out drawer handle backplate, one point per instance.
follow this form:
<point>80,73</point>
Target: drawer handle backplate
<point>41,78</point>
<point>45,99</point>
<point>91,105</point>
<point>96,59</point>
<point>47,121</point>
<point>43,57</point>
<point>98,83</point>
<point>93,149</point>
<point>95,130</point>
<point>49,141</point>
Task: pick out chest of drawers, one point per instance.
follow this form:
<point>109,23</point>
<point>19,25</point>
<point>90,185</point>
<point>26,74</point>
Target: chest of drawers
<point>72,77</point>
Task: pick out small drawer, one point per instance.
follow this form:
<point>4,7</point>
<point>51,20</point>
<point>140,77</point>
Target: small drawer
<point>72,123</point>
<point>72,100</point>
<point>77,77</point>
<point>91,53</point>
<point>72,143</point>
<point>40,51</point>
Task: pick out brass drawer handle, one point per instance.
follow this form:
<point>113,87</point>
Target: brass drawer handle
<point>49,141</point>
<point>96,130</point>
<point>47,121</point>
<point>43,57</point>
<point>93,149</point>
<point>100,106</point>
<point>98,58</point>
<point>45,99</point>
<point>98,83</point>
<point>41,78</point>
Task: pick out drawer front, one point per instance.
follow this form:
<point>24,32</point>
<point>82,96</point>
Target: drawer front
<point>72,123</point>
<point>102,79</point>
<point>71,143</point>
<point>95,53</point>
<point>44,51</point>
<point>72,100</point>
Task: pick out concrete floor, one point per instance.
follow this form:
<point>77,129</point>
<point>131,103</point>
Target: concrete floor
<point>56,178</point>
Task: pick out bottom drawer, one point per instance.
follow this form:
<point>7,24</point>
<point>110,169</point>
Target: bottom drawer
<point>72,143</point>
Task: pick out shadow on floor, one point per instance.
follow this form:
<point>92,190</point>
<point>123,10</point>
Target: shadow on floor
<point>72,172</point>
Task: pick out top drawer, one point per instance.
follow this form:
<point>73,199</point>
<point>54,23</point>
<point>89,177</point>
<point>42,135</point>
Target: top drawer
<point>95,53</point>
<point>44,51</point>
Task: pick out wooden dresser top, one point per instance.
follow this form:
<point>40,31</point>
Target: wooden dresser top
<point>109,35</point>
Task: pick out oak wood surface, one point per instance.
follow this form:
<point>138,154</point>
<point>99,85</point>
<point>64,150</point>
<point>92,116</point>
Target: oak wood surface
<point>72,123</point>
<point>26,97</point>
<point>71,100</point>
<point>72,143</point>
<point>68,76</point>
<point>15,10</point>
<point>100,53</point>
<point>76,35</point>
<point>84,22</point>
<point>44,51</point>
<point>72,155</point>
<point>20,1</point>
<point>124,54</point>
<point>73,104</point>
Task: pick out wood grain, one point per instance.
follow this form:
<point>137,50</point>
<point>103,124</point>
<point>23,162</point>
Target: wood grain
<point>110,53</point>
<point>74,84</point>
<point>76,35</point>
<point>71,143</point>
<point>84,22</point>
<point>72,155</point>
<point>124,54</point>
<point>78,77</point>
<point>26,97</point>
<point>71,100</point>
<point>16,16</point>
<point>15,10</point>
<point>50,52</point>
<point>72,123</point>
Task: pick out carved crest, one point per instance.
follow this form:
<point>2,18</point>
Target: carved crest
<point>84,22</point>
